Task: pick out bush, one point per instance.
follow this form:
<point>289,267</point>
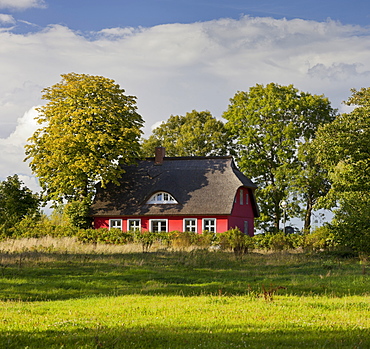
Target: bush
<point>145,238</point>
<point>277,242</point>
<point>181,240</point>
<point>235,240</point>
<point>89,235</point>
<point>40,226</point>
<point>105,236</point>
<point>206,239</point>
<point>262,241</point>
<point>322,238</point>
<point>78,213</point>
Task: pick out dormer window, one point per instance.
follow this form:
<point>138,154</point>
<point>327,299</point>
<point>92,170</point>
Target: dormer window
<point>161,198</point>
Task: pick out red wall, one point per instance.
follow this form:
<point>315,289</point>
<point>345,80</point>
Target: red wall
<point>241,212</point>
<point>174,223</point>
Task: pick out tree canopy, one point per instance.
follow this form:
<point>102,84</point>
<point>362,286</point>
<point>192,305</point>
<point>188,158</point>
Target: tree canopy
<point>343,149</point>
<point>310,182</point>
<point>270,123</point>
<point>343,146</point>
<point>16,202</point>
<point>89,127</point>
<point>195,134</point>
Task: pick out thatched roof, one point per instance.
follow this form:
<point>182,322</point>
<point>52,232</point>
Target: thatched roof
<point>200,185</point>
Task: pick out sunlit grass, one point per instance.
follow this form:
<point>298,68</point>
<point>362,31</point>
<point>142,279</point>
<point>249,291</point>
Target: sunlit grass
<point>56,295</point>
<point>188,322</point>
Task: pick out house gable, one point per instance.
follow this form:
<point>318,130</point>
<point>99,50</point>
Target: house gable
<point>199,188</point>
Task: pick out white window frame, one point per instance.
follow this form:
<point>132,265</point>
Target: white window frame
<point>161,198</point>
<point>247,199</point>
<point>151,221</point>
<point>241,196</point>
<point>133,220</point>
<point>194,225</point>
<point>111,222</point>
<point>214,225</point>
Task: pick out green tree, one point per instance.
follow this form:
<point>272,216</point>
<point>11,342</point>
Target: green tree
<point>310,182</point>
<point>90,127</point>
<point>195,134</point>
<point>16,202</point>
<point>343,148</point>
<point>270,123</point>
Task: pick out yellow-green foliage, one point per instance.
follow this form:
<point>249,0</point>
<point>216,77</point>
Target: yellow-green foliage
<point>181,239</point>
<point>236,240</point>
<point>105,236</point>
<point>41,226</point>
<point>89,126</point>
<point>277,242</point>
<point>320,239</point>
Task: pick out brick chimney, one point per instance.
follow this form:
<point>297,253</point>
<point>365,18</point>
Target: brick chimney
<point>159,155</point>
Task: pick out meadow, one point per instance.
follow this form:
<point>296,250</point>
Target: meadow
<point>58,293</point>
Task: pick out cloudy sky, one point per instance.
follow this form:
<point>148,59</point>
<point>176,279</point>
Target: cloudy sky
<point>175,55</point>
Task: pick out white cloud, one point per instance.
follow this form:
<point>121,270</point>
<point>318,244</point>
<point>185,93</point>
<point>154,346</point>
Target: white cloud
<point>12,148</point>
<point>6,19</point>
<point>116,32</point>
<point>337,71</point>
<point>176,68</point>
<point>21,4</point>
<point>156,124</point>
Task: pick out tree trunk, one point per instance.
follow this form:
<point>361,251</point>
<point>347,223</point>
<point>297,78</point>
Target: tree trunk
<point>307,218</point>
<point>277,217</point>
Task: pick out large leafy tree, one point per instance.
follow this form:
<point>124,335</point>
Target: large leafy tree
<point>16,202</point>
<point>89,127</point>
<point>343,148</point>
<point>310,182</point>
<point>270,123</point>
<point>195,134</point>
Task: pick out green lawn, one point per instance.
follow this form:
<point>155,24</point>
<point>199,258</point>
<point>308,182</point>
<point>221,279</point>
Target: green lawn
<point>182,300</point>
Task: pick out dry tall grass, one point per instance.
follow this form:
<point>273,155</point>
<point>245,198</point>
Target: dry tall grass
<point>32,251</point>
<point>65,245</point>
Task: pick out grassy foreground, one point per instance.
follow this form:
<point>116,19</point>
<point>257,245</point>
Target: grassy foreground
<point>52,297</point>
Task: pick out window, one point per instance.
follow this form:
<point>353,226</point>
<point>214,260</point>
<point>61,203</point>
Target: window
<point>246,199</point>
<point>209,224</point>
<point>115,224</point>
<point>246,232</point>
<point>162,198</point>
<point>241,196</point>
<point>133,224</point>
<point>190,224</point>
<point>158,225</point>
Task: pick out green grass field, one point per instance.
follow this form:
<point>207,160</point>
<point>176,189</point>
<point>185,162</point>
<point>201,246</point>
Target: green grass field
<point>55,298</point>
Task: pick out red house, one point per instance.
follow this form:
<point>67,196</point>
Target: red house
<point>178,193</point>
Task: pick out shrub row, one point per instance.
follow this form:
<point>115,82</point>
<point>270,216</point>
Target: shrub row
<point>31,227</point>
<point>233,239</point>
<point>145,238</point>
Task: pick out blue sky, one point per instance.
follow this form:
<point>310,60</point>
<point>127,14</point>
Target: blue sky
<point>94,15</point>
<point>175,56</point>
